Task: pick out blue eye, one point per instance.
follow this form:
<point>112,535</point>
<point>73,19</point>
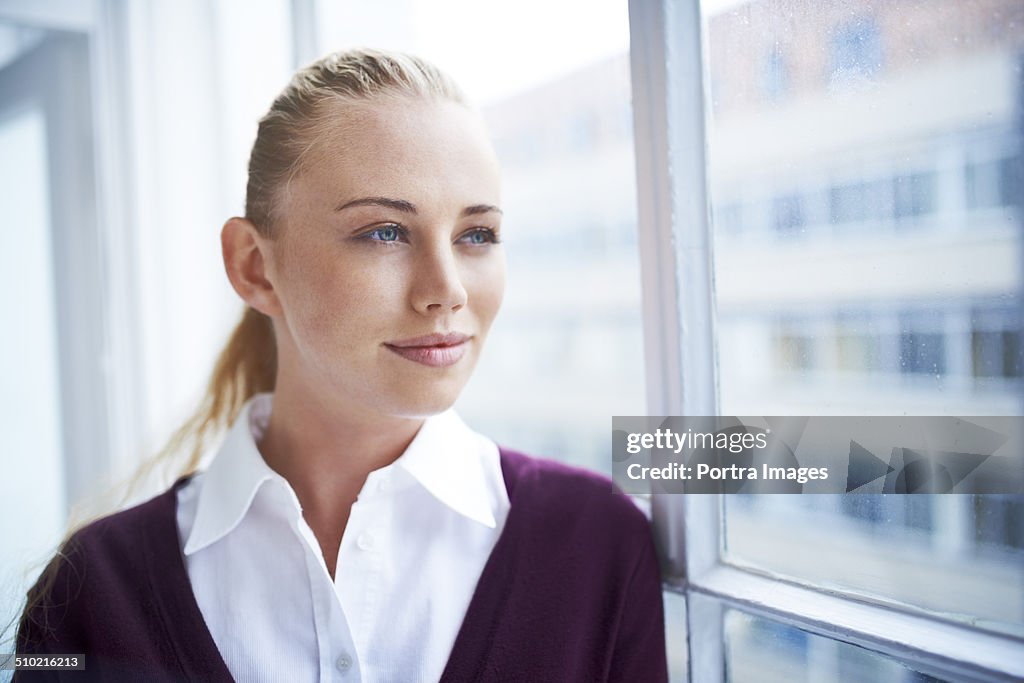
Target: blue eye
<point>385,233</point>
<point>481,236</point>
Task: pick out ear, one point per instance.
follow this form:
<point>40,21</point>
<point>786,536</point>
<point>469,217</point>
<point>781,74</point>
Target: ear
<point>245,254</point>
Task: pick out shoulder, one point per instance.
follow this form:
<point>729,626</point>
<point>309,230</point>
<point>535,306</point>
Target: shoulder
<point>571,498</point>
<point>124,537</point>
<point>101,568</point>
<point>549,482</point>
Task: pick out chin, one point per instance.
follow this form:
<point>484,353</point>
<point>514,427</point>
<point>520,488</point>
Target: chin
<point>424,401</point>
<point>416,395</point>
<point>421,409</point>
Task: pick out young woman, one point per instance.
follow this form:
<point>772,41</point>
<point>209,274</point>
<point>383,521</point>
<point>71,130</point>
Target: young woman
<point>351,527</point>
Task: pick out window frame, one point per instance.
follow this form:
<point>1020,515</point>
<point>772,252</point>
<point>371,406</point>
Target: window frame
<point>99,401</point>
<point>676,254</point>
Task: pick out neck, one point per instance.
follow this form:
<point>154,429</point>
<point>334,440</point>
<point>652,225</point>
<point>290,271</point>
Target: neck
<point>326,450</point>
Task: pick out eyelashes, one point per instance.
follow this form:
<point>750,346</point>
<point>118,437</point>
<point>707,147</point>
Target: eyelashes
<point>393,234</point>
<point>480,237</point>
<point>389,233</point>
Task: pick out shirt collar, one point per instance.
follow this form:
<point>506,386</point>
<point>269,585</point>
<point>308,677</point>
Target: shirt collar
<point>458,467</point>
<point>234,478</point>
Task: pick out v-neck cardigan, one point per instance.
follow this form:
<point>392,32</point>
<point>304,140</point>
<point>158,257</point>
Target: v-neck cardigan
<point>571,592</point>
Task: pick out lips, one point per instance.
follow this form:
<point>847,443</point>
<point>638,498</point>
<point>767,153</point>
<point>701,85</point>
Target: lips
<point>433,350</point>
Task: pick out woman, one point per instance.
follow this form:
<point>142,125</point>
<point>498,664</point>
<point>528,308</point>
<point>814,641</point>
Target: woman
<point>351,527</point>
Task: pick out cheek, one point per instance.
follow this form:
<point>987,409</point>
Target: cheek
<point>352,303</point>
<point>329,298</point>
<point>488,289</point>
<point>305,278</point>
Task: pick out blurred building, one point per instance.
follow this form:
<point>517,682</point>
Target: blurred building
<point>865,174</point>
<point>569,354</point>
<point>866,178</point>
<point>866,189</point>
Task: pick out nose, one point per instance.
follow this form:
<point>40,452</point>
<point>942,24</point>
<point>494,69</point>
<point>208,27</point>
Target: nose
<point>437,284</point>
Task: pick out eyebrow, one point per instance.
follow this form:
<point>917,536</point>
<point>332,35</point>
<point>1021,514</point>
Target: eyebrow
<point>408,207</point>
<point>396,204</point>
<point>477,209</point>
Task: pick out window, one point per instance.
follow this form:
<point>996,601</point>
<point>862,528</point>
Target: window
<point>1011,179</point>
<point>861,202</point>
<point>922,345</point>
<point>761,650</point>
<point>795,351</point>
<point>860,345</point>
<point>789,215</point>
<point>996,349</point>
<point>54,392</point>
<point>993,180</point>
<point>776,75</point>
<point>998,521</point>
<point>914,195</point>
<point>856,49</point>
<point>865,318</point>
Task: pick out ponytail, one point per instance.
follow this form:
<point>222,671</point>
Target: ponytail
<point>246,366</point>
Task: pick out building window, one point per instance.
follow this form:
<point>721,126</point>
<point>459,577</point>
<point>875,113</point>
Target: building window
<point>922,353</point>
<point>983,183</point>
<point>859,350</point>
<point>996,353</point>
<point>846,203</point>
<point>789,215</point>
<point>794,349</point>
<point>913,195</point>
<point>856,50</point>
<point>1011,181</point>
<point>993,183</point>
<point>996,349</point>
<point>999,521</point>
<point>868,200</point>
<point>775,77</point>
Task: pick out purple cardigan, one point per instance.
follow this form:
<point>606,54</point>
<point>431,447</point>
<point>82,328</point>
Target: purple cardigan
<point>571,592</point>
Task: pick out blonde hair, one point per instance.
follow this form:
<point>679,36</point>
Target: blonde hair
<point>287,133</point>
<point>303,112</point>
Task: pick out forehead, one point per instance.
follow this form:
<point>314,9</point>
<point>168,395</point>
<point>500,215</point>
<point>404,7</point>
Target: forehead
<point>415,149</point>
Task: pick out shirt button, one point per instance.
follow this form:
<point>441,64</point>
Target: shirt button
<point>364,542</point>
<point>344,663</point>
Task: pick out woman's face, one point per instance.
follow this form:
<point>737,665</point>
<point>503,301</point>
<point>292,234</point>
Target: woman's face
<point>386,262</point>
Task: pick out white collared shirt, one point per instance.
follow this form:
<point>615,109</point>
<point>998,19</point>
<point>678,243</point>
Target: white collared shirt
<point>413,550</point>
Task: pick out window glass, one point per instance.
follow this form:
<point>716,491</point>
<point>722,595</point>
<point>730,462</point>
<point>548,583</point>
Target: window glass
<point>566,352</point>
<point>789,215</point>
<point>776,74</point>
<point>33,457</point>
<point>856,45</point>
<point>914,195</point>
<point>675,636</point>
<point>762,651</point>
<point>892,286</point>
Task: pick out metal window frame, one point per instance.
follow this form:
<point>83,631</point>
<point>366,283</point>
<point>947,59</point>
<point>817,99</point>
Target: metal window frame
<point>99,371</point>
<point>676,256</point>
